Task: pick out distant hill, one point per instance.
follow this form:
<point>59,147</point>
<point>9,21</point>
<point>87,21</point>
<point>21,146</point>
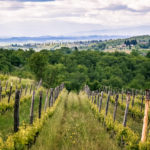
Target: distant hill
<point>140,38</point>
<point>59,38</point>
<point>81,42</point>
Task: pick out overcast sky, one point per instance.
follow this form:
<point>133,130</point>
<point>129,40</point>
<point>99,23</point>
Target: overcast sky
<point>73,17</point>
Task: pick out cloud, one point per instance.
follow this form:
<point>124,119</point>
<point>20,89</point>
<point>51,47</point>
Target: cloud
<point>119,7</point>
<point>24,15</point>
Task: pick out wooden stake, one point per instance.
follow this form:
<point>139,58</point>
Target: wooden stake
<point>9,94</point>
<point>46,99</point>
<point>49,101</point>
<point>126,110</point>
<point>98,99</point>
<point>95,98</point>
<point>145,120</point>
<point>32,108</point>
<point>108,98</point>
<point>122,96</point>
<point>92,96</point>
<point>52,97</point>
<point>142,102</point>
<point>55,96</point>
<point>16,111</point>
<point>133,94</point>
<point>40,105</point>
<point>101,99</point>
<point>39,84</point>
<point>115,109</point>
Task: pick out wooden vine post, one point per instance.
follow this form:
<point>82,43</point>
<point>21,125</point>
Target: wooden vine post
<point>55,94</point>
<point>39,84</point>
<point>46,99</point>
<point>95,98</point>
<point>108,98</point>
<point>145,121</point>
<point>116,105</point>
<point>126,110</point>
<point>10,93</point>
<point>49,101</point>
<point>40,104</point>
<point>16,111</point>
<point>142,102</point>
<point>92,96</point>
<point>52,97</point>
<point>101,99</point>
<point>133,97</point>
<point>88,94</point>
<point>98,99</point>
<point>32,108</point>
<point>122,96</point>
<point>58,90</point>
<point>114,93</point>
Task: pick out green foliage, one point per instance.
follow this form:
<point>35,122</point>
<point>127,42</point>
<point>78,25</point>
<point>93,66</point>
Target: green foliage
<point>76,68</point>
<point>148,55</point>
<point>102,46</point>
<point>3,77</point>
<point>4,106</point>
<point>135,52</point>
<point>38,62</point>
<point>54,75</point>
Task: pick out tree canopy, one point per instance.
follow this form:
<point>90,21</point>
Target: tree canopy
<point>77,68</point>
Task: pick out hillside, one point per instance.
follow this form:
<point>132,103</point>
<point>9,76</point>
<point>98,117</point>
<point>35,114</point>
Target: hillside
<point>98,43</point>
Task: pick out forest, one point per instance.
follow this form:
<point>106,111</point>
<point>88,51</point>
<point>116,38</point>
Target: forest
<point>76,68</point>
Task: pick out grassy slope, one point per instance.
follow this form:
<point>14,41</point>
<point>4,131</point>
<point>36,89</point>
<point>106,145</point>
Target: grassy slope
<point>73,127</point>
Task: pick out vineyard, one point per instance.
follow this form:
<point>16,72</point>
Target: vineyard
<point>36,118</point>
<point>75,75</point>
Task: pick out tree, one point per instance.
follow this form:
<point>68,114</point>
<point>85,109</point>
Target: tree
<point>116,82</point>
<point>101,46</point>
<point>5,65</point>
<point>135,52</point>
<point>148,55</point>
<point>38,63</point>
<point>137,82</point>
<point>54,75</point>
<point>133,42</point>
<point>127,43</point>
<point>15,60</point>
